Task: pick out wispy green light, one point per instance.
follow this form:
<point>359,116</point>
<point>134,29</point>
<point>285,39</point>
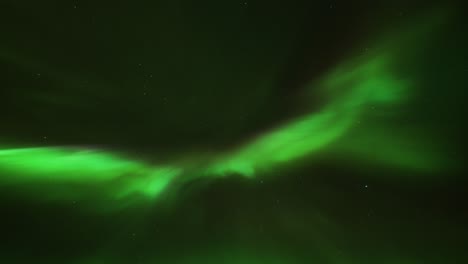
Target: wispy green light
<point>351,93</point>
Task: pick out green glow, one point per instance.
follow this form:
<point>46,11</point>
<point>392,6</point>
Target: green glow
<point>366,172</point>
<point>352,93</point>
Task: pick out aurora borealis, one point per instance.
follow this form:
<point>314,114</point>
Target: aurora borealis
<point>234,132</point>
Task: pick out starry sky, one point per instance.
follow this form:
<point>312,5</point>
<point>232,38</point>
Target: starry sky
<point>236,132</point>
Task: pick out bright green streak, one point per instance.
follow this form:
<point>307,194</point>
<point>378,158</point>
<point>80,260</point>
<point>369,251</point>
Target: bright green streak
<point>353,90</point>
<point>69,166</point>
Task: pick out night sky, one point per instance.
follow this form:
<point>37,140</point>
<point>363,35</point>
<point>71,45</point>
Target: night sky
<point>233,132</point>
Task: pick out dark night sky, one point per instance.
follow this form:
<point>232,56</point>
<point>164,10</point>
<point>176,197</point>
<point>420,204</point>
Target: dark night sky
<point>110,71</point>
<point>159,79</point>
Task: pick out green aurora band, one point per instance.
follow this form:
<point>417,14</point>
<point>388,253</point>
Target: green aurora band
<point>361,94</point>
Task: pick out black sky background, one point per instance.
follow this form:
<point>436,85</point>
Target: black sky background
<point>155,78</point>
<point>139,74</point>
